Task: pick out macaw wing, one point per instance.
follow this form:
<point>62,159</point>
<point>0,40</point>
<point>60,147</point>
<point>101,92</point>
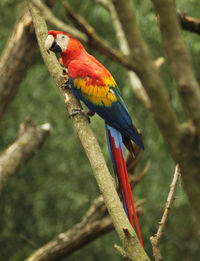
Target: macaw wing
<point>106,101</point>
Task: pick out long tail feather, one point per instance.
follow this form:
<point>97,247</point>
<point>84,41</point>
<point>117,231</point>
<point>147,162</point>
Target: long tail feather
<point>115,145</point>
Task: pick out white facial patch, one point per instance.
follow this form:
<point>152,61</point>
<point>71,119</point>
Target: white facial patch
<point>49,41</point>
<point>62,40</point>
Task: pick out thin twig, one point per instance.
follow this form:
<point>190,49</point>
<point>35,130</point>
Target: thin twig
<point>155,240</point>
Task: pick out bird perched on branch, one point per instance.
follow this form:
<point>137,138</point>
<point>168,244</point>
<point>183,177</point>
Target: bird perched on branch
<point>92,83</point>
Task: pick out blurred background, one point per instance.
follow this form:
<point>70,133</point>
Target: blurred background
<point>56,187</point>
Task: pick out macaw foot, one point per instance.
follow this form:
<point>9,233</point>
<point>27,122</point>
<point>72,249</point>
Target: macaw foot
<point>81,111</point>
<point>66,84</point>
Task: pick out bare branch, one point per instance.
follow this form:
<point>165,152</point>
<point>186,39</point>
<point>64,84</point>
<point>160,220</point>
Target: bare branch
<point>155,240</point>
<point>95,40</point>
<point>179,58</point>
<point>145,68</point>
<point>92,149</point>
<point>135,82</point>
<point>87,35</point>
<point>56,23</point>
<point>94,224</point>
<point>15,59</point>
<point>28,141</point>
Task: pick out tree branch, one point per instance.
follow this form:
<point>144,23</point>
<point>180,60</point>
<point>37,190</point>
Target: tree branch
<point>29,140</point>
<point>15,59</point>
<point>179,58</point>
<point>148,74</point>
<point>92,149</point>
<point>94,223</point>
<point>87,35</point>
<point>155,240</point>
<point>135,82</point>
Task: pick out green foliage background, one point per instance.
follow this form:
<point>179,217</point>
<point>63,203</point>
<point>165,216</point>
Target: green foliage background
<point>55,188</point>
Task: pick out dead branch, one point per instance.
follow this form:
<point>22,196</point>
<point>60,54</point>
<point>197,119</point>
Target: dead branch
<point>15,59</point>
<point>29,140</point>
<point>88,140</point>
<point>155,240</point>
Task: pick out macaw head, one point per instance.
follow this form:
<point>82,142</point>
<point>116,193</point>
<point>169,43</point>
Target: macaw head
<point>61,42</point>
<point>57,41</point>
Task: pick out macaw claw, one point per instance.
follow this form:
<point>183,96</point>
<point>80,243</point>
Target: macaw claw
<point>65,77</point>
<point>83,112</point>
<point>66,86</point>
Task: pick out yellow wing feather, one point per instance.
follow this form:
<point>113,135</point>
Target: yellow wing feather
<point>97,94</point>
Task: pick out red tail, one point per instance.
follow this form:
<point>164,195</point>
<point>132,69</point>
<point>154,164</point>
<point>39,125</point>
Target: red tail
<point>116,150</point>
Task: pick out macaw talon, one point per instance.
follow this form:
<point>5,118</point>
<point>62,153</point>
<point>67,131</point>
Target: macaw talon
<point>66,86</point>
<point>80,111</point>
<point>65,77</point>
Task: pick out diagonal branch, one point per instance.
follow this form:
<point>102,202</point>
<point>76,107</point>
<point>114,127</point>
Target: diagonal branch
<point>93,224</point>
<point>29,140</point>
<point>135,82</point>
<point>155,240</point>
<point>15,59</point>
<point>87,35</point>
<point>92,149</point>
<point>179,58</point>
<point>148,74</point>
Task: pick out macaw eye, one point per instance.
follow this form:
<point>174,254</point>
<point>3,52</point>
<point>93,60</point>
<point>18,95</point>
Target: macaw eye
<point>63,37</point>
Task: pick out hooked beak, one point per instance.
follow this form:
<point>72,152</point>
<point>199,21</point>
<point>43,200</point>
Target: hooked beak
<point>55,47</point>
<point>52,45</point>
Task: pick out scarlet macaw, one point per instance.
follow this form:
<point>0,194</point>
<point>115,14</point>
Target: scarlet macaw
<point>93,84</point>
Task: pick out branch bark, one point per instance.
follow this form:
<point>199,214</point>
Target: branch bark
<point>145,68</point>
<point>179,58</point>
<point>92,149</point>
<point>135,82</point>
<point>94,224</point>
<point>87,34</point>
<point>29,139</point>
<point>15,59</point>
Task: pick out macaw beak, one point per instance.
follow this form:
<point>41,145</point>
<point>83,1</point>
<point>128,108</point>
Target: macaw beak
<point>52,45</point>
<point>55,47</point>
